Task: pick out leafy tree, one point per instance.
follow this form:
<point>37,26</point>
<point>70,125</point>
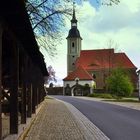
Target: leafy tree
<point>119,83</point>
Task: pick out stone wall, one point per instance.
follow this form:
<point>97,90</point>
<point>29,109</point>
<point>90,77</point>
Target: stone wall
<point>55,91</point>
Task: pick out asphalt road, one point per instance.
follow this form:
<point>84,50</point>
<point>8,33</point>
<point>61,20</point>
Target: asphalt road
<point>116,122</point>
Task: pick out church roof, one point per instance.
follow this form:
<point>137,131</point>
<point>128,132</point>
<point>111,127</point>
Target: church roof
<point>74,32</point>
<point>78,73</point>
<point>103,58</point>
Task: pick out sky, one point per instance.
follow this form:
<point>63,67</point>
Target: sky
<point>100,24</point>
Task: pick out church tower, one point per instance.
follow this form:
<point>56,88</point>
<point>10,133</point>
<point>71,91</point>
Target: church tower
<point>73,43</point>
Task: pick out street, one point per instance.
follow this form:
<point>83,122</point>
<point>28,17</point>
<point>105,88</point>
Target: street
<point>118,123</point>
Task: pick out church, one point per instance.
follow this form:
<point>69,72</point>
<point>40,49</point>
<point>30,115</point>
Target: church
<point>92,67</point>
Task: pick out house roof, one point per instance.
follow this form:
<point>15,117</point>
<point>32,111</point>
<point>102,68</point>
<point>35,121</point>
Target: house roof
<point>15,16</point>
<point>103,59</point>
<point>80,73</point>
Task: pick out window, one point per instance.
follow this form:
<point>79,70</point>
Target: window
<point>72,44</point>
<point>94,76</point>
<point>72,63</point>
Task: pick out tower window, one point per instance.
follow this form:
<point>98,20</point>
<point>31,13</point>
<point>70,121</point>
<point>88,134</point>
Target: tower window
<point>94,76</point>
<point>72,44</point>
<point>73,56</point>
<point>72,63</point>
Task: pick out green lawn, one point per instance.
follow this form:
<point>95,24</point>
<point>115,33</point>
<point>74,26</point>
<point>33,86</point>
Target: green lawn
<point>132,100</point>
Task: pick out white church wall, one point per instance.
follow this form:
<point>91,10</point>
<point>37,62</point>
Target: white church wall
<point>81,82</point>
<point>139,82</point>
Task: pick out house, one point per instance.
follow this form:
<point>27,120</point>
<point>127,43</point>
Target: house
<point>95,64</point>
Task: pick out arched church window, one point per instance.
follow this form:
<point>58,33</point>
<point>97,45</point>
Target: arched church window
<point>72,44</point>
<point>73,56</point>
<point>72,63</point>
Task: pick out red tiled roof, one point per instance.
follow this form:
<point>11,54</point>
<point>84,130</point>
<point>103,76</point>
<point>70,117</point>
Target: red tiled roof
<point>121,59</point>
<point>80,73</point>
<point>103,58</point>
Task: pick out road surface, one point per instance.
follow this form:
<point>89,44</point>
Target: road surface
<point>116,122</point>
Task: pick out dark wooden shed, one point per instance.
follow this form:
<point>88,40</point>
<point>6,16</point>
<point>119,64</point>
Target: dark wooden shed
<point>22,66</point>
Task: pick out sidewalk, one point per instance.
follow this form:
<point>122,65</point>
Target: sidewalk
<point>58,120</point>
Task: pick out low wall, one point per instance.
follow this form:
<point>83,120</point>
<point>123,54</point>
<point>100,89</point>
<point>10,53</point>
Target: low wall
<point>55,91</point>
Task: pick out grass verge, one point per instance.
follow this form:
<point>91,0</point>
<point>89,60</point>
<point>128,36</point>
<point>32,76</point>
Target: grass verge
<point>112,98</point>
<point>124,100</point>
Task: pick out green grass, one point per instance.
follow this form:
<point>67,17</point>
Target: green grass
<point>112,98</point>
<point>124,100</point>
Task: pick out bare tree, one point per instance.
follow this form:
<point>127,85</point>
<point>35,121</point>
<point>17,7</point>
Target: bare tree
<point>48,20</point>
<point>109,2</point>
<point>111,44</point>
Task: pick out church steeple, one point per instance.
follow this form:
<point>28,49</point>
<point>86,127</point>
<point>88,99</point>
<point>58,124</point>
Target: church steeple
<point>74,32</point>
<point>74,44</point>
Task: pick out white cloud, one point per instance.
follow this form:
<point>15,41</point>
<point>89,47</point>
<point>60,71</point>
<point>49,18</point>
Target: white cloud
<point>133,5</point>
<point>113,18</point>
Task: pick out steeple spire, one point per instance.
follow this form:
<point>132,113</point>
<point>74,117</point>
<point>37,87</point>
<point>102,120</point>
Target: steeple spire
<point>73,16</point>
<point>74,20</point>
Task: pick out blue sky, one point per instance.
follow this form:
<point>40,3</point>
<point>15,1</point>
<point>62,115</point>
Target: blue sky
<point>94,3</point>
<point>119,23</point>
